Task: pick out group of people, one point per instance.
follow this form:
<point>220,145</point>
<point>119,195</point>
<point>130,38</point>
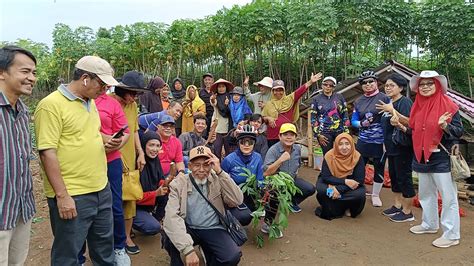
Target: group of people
<point>191,147</point>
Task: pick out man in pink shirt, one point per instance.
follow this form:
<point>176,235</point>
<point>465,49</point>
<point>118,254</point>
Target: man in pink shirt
<point>171,150</point>
<point>112,119</point>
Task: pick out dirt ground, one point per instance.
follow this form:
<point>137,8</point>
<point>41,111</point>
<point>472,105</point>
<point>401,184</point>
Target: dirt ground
<point>368,239</point>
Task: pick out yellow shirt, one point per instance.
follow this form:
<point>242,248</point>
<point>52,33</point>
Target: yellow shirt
<point>129,154</point>
<point>71,126</point>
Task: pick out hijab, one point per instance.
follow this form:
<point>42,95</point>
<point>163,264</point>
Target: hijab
<point>239,109</point>
<point>178,94</point>
<point>340,165</point>
<point>424,116</point>
<point>191,106</point>
<point>152,172</point>
<point>223,109</point>
<point>275,107</point>
<point>152,100</point>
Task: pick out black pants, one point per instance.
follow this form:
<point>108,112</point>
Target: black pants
<point>218,247</point>
<point>354,200</point>
<point>218,143</point>
<point>331,137</point>
<point>399,167</point>
<point>379,168</point>
<point>272,142</point>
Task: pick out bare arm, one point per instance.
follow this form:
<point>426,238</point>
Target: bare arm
<point>66,205</point>
<point>141,155</point>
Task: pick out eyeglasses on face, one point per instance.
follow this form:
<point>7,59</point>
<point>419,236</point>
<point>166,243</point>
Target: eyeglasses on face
<point>428,84</point>
<point>367,81</point>
<point>329,85</point>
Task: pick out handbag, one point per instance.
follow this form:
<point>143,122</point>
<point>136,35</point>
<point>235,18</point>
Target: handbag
<point>459,167</point>
<point>232,225</point>
<point>401,138</point>
<point>131,187</point>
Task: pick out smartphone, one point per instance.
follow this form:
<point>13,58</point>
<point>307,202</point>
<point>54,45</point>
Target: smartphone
<point>119,133</point>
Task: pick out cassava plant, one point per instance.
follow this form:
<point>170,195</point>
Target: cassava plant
<point>280,186</point>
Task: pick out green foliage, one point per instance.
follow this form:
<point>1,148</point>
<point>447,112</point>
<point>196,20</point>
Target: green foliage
<point>283,39</point>
<point>283,187</point>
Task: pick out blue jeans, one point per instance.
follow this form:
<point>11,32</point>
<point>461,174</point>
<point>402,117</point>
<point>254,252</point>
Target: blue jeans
<point>94,217</point>
<point>145,223</point>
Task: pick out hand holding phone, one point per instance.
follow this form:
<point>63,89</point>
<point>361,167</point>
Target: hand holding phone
<point>119,133</point>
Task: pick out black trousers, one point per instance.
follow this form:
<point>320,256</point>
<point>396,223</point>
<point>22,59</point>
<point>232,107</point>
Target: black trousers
<point>354,200</point>
<point>331,137</point>
<point>218,247</point>
<point>400,170</point>
<point>379,168</point>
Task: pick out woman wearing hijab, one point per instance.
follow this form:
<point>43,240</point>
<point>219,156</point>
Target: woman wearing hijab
<point>367,119</point>
<point>192,106</point>
<point>178,94</point>
<point>238,106</point>
<point>341,182</point>
<point>399,150</point>
<point>220,101</point>
<point>153,193</point>
<point>435,123</point>
<point>150,101</point>
<point>284,108</point>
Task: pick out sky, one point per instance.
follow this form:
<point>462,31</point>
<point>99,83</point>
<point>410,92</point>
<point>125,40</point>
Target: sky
<point>35,19</point>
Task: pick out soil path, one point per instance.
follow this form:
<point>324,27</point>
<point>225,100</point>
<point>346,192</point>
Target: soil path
<point>369,239</point>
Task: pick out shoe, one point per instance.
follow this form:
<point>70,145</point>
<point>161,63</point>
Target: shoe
<point>418,229</point>
<point>121,258</point>
<point>132,250</point>
<point>391,211</point>
<point>376,201</point>
<point>294,208</point>
<point>445,243</point>
<point>402,217</point>
<point>266,230</point>
<point>348,213</point>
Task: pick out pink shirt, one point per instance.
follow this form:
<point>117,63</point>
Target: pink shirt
<point>171,151</point>
<point>112,119</point>
<point>287,117</point>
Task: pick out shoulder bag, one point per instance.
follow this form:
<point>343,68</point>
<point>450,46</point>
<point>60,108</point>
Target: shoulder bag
<point>459,167</point>
<point>131,187</point>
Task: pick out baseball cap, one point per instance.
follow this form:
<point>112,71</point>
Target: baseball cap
<point>331,79</point>
<point>98,66</point>
<point>278,84</point>
<point>167,119</point>
<point>199,151</point>
<point>288,127</point>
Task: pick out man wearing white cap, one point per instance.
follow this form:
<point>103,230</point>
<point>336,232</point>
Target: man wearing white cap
<point>329,114</point>
<point>261,97</point>
<point>74,165</point>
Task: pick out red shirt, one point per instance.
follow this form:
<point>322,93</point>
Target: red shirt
<point>286,117</point>
<point>171,151</point>
<point>112,119</point>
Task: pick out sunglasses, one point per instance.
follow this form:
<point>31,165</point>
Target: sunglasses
<point>367,81</point>
<point>247,142</point>
<point>329,85</point>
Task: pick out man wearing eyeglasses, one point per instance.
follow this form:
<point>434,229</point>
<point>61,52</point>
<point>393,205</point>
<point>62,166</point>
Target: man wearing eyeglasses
<point>72,153</point>
<point>329,114</point>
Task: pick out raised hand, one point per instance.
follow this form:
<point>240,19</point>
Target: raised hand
<point>443,120</point>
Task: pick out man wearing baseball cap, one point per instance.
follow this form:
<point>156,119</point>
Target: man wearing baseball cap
<point>190,219</point>
<point>285,156</point>
<point>74,166</point>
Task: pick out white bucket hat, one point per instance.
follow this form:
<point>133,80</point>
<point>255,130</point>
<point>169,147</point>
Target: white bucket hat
<point>266,81</point>
<point>428,74</point>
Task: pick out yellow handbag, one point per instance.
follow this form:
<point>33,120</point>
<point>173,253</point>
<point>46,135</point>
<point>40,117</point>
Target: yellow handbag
<point>131,187</point>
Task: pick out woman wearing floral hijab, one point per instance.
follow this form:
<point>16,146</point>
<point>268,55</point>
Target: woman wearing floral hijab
<point>435,123</point>
<point>341,182</point>
<point>192,105</point>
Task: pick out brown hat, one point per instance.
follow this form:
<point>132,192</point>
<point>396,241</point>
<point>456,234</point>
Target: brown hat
<point>98,66</point>
<point>228,85</point>
<point>199,151</point>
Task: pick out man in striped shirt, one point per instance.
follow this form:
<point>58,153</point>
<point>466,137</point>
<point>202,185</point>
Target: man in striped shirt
<point>17,205</point>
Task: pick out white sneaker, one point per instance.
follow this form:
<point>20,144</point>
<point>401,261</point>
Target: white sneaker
<point>121,258</point>
<point>376,201</point>
<point>418,229</point>
<point>445,243</point>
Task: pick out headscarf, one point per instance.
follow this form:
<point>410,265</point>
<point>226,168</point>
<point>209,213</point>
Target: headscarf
<point>190,106</point>
<point>340,165</point>
<point>178,94</point>
<point>275,107</point>
<point>152,100</point>
<point>152,172</point>
<point>239,109</point>
<point>424,116</point>
<point>244,158</point>
<point>223,109</point>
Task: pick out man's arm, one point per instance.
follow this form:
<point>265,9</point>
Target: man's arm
<point>273,168</point>
<point>66,205</point>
